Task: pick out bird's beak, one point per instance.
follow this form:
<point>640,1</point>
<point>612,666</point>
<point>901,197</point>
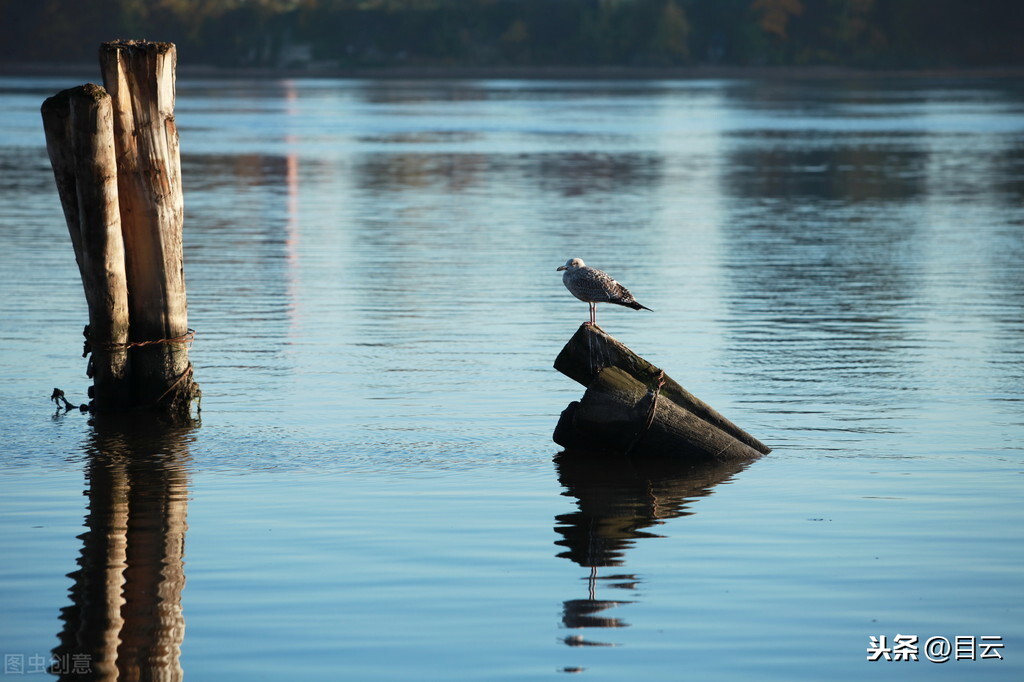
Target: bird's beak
<point>560,267</point>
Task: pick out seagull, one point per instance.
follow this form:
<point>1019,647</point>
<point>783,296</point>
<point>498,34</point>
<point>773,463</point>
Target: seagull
<point>592,286</point>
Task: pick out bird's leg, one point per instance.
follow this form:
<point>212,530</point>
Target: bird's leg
<point>593,314</point>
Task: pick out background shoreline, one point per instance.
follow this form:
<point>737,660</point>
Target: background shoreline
<point>535,72</point>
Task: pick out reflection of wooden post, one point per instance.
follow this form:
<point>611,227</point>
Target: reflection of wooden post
<point>94,621</point>
<point>154,623</point>
<point>125,619</point>
<point>140,79</point>
<point>619,498</point>
<point>118,171</point>
<point>631,404</point>
<point>80,142</point>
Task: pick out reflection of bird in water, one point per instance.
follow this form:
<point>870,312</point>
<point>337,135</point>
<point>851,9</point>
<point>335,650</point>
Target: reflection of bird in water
<point>592,286</point>
<point>618,499</point>
<point>584,613</point>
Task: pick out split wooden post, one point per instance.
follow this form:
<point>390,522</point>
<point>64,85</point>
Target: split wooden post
<point>632,405</point>
<point>116,162</point>
<point>140,77</point>
<point>80,143</point>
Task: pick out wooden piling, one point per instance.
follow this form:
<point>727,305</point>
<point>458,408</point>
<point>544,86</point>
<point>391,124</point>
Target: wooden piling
<point>140,77</point>
<point>80,142</point>
<point>116,162</point>
<point>591,350</point>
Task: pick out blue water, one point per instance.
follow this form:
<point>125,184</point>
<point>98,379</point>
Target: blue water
<point>372,491</point>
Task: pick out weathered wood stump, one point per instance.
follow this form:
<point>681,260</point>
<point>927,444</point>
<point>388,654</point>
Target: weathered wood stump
<point>116,163</point>
<point>140,77</point>
<point>80,141</point>
<point>631,405</point>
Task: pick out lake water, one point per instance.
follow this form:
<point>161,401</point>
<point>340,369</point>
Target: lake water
<point>373,492</point>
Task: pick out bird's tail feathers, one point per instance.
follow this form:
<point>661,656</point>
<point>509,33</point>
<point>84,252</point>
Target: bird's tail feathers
<point>632,304</point>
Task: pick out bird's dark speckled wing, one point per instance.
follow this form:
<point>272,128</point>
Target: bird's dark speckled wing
<point>592,285</point>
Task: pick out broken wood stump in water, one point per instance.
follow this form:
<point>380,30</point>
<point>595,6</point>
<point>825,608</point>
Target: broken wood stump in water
<point>80,141</point>
<point>631,405</point>
<point>115,158</point>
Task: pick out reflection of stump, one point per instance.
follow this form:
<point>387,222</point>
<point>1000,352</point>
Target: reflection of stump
<point>582,613</point>
<point>125,620</point>
<point>621,498</point>
<point>632,405</point>
<point>115,159</point>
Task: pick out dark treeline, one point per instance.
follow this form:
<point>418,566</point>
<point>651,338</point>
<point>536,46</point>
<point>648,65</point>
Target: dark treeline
<point>366,33</point>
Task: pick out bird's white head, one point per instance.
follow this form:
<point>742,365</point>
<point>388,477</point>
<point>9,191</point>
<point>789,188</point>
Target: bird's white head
<point>571,264</point>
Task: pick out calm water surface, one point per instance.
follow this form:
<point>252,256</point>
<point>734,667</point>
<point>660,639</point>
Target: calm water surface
<point>373,493</point>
